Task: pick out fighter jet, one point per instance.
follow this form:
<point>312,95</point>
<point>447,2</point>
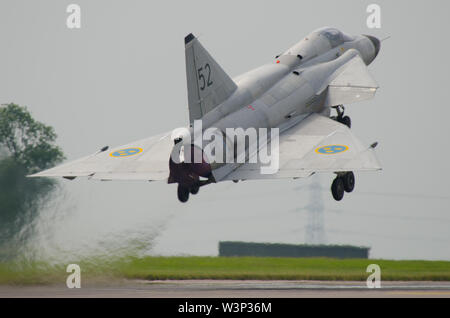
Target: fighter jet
<point>300,95</point>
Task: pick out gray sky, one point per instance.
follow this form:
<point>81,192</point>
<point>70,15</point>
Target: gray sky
<point>121,77</point>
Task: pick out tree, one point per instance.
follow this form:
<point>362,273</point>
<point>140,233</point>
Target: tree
<point>26,146</point>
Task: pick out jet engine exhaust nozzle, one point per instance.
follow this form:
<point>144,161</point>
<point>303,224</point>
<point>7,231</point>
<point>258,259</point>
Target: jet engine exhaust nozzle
<point>188,172</point>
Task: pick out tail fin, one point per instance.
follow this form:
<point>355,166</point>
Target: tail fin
<point>208,84</point>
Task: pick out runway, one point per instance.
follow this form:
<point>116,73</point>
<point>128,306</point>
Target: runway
<point>238,289</point>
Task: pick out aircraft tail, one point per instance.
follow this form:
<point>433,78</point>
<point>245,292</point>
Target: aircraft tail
<point>207,83</point>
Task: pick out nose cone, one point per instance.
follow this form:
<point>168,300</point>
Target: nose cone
<point>376,43</point>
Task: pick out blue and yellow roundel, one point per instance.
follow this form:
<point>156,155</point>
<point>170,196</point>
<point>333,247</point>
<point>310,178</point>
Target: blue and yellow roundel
<point>331,149</point>
<point>126,152</point>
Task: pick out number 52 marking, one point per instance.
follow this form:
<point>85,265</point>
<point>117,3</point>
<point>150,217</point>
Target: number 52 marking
<point>201,78</point>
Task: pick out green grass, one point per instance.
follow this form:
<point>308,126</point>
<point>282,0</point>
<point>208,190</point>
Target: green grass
<point>163,268</point>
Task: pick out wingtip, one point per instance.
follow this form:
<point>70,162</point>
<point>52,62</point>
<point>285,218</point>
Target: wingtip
<point>188,38</point>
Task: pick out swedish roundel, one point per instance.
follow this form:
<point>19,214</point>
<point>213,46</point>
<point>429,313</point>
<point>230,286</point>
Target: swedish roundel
<point>126,152</point>
<point>331,149</point>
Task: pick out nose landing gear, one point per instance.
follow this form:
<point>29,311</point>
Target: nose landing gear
<point>340,109</point>
<point>344,182</point>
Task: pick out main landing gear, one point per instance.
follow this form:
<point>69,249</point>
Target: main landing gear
<point>340,109</point>
<point>183,192</point>
<point>344,182</point>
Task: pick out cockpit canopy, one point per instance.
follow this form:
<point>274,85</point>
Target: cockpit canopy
<point>317,43</point>
<point>334,36</point>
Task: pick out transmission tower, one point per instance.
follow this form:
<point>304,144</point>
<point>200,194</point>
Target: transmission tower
<point>315,224</point>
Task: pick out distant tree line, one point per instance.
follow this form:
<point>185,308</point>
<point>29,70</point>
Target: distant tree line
<point>26,147</point>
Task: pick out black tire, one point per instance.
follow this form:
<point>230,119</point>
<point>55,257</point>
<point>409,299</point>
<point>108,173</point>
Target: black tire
<point>349,181</point>
<point>346,121</point>
<point>337,189</point>
<point>183,194</point>
<point>194,190</point>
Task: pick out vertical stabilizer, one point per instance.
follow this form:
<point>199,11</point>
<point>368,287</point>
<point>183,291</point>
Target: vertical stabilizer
<point>208,84</point>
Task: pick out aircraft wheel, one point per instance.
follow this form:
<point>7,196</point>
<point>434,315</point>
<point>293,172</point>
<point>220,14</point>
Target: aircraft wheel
<point>194,190</point>
<point>346,121</point>
<point>349,181</point>
<point>183,193</point>
<point>337,189</point>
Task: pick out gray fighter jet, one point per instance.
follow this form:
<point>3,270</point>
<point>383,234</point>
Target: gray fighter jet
<point>295,95</point>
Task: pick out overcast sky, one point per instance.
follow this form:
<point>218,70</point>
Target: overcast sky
<point>121,77</point>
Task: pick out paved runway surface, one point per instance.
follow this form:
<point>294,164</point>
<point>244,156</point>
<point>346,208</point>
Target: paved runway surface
<point>224,289</point>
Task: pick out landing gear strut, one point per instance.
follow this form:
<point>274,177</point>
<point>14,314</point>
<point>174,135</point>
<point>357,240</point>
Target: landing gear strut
<point>340,109</point>
<point>344,182</point>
